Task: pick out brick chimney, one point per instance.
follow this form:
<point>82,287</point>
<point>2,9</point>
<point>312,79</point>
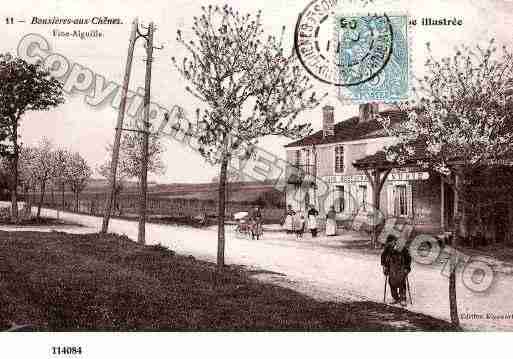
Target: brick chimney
<point>368,111</point>
<point>328,121</point>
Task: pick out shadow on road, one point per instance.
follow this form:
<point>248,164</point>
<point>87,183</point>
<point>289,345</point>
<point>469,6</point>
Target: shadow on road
<point>89,282</point>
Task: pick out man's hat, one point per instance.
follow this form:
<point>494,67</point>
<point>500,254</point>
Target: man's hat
<point>391,238</point>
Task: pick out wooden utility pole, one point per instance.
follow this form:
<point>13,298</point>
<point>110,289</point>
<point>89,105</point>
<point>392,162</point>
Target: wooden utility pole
<point>315,201</point>
<point>119,128</point>
<point>141,238</point>
<point>442,204</point>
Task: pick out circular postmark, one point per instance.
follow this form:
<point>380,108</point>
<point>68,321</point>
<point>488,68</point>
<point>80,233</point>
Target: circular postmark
<point>342,50</point>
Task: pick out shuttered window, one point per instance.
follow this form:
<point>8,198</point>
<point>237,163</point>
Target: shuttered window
<point>400,201</point>
<point>340,204</point>
<point>339,159</point>
<point>307,168</point>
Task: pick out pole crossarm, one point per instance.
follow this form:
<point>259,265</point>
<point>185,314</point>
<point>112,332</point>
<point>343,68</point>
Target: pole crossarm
<point>140,33</point>
<point>139,131</point>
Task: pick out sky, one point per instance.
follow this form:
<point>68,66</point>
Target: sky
<point>80,127</point>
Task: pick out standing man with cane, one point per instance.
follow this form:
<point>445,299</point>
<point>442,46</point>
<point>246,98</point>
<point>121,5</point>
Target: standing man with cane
<point>396,262</point>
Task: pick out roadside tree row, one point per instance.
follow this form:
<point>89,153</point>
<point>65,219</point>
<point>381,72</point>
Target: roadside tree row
<point>45,166</point>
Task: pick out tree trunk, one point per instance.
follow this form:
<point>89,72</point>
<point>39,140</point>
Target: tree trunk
<point>14,184</point>
<point>463,224</point>
<point>115,201</point>
<point>376,194</point>
<point>76,201</point>
<point>26,196</point>
<point>453,304</point>
<point>62,189</point>
<point>376,181</point>
<point>41,199</point>
<point>453,258</point>
<point>221,214</point>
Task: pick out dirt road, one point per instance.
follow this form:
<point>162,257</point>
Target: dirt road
<point>323,271</point>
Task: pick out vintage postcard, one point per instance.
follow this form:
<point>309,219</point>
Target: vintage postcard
<point>267,166</point>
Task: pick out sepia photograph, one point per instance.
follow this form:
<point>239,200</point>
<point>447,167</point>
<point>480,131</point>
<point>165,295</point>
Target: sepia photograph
<point>262,173</point>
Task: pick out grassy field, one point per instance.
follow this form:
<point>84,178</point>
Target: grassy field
<point>238,191</point>
<point>62,282</point>
<point>182,201</point>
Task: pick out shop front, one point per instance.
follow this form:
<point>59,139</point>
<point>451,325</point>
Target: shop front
<point>407,194</point>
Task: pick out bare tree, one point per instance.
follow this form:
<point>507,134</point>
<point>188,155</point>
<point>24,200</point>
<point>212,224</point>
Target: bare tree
<point>131,149</point>
<point>104,170</point>
<point>130,157</point>
<point>43,169</point>
<point>23,87</point>
<point>62,160</point>
<point>27,165</point>
<point>248,85</point>
<point>78,173</point>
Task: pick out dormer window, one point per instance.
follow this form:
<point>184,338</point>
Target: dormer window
<point>339,159</point>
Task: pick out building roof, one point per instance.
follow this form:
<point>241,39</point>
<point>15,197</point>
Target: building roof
<point>352,129</point>
<point>379,158</point>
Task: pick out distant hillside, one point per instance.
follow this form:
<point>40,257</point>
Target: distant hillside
<point>101,184</point>
<point>247,192</point>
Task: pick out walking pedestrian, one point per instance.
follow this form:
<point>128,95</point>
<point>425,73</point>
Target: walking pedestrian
<point>396,262</point>
<point>300,226</point>
<point>312,220</point>
<point>256,223</point>
<point>256,214</point>
<point>331,222</point>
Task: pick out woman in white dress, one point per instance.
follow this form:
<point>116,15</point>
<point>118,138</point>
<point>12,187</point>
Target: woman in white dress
<point>331,222</point>
<point>288,223</point>
<point>312,220</point>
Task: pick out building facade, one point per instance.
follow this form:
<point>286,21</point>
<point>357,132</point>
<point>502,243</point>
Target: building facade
<point>325,162</point>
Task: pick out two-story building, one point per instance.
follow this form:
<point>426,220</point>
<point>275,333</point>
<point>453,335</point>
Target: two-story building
<point>330,156</point>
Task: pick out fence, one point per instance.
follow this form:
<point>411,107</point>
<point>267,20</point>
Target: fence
<point>127,206</point>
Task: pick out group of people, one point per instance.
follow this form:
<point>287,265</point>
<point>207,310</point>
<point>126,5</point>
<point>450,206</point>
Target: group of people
<point>250,223</point>
<point>295,222</point>
<point>395,258</point>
